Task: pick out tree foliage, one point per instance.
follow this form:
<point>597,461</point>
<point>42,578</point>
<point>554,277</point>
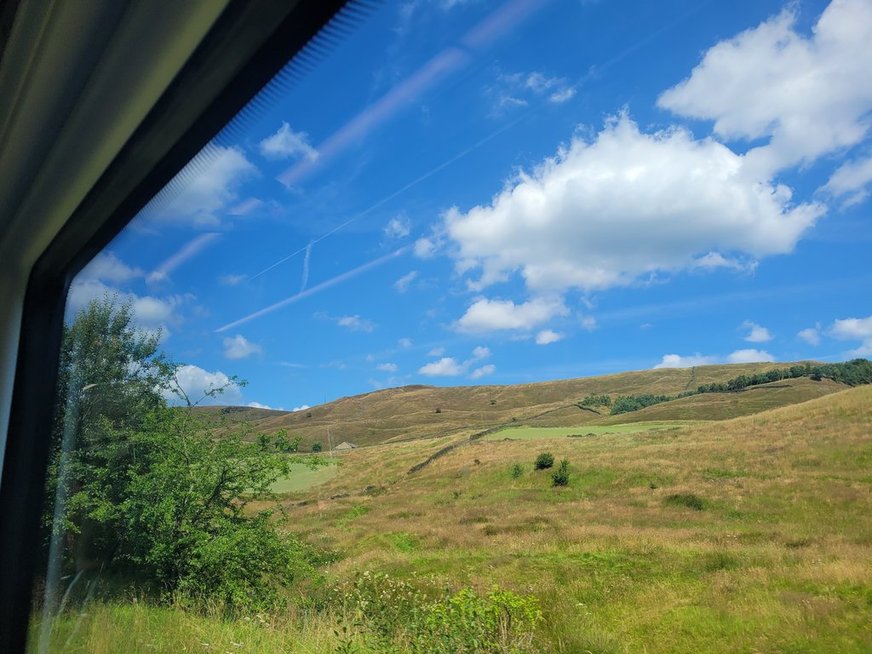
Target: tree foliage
<point>591,401</point>
<point>149,488</point>
<point>627,403</point>
<point>851,373</point>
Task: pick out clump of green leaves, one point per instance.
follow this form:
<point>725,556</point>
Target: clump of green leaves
<point>395,615</point>
<point>517,471</point>
<point>561,476</point>
<point>543,461</point>
<point>590,401</point>
<point>151,487</point>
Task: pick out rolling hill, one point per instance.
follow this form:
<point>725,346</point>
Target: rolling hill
<point>414,412</point>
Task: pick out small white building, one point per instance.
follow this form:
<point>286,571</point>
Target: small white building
<point>345,445</point>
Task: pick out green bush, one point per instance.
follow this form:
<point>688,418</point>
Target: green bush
<point>687,500</point>
<point>517,471</point>
<point>561,476</point>
<point>316,446</point>
<point>544,460</point>
<point>150,487</point>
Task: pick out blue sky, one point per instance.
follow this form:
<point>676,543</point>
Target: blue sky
<point>498,192</point>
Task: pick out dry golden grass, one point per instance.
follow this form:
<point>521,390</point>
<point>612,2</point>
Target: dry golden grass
<point>398,414</point>
<point>778,559</point>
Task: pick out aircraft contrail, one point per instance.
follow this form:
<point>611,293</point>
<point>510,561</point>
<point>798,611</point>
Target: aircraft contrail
<point>316,289</point>
<point>306,268</point>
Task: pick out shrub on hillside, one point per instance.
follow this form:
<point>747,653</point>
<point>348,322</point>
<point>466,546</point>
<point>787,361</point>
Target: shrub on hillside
<point>687,500</point>
<point>517,470</point>
<point>561,476</point>
<point>316,446</point>
<point>544,460</point>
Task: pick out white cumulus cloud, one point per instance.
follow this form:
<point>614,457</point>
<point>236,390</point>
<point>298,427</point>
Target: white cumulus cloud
<point>483,371</point>
<point>627,204</point>
<point>855,329</point>
<point>355,323</point>
<point>756,333</point>
<point>810,335</point>
<point>196,382</point>
<point>689,361</point>
<point>258,405</point>
<point>486,315</point>
<point>109,268</point>
<point>444,367</point>
<point>387,367</point>
<point>481,352</point>
<point>750,356</point>
<point>207,187</point>
<point>398,227</point>
<point>548,336</point>
<point>287,144</point>
<point>808,95</point>
<point>239,347</point>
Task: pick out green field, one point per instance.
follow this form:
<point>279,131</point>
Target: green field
<point>750,534</point>
<point>525,433</point>
<point>303,477</point>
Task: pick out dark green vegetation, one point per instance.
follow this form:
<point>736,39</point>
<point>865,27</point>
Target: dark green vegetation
<point>627,403</point>
<point>543,461</point>
<point>595,400</point>
<point>150,492</point>
<point>561,475</point>
<point>851,373</point>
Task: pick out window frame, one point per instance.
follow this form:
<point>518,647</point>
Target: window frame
<point>251,42</point>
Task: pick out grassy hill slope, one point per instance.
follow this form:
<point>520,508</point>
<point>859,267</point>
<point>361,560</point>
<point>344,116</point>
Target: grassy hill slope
<point>751,534</point>
<point>410,412</point>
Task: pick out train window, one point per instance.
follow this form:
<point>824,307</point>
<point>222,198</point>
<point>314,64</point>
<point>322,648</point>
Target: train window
<point>498,327</point>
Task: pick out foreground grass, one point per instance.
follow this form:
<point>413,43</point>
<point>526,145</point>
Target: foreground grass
<point>748,535</point>
<point>109,628</point>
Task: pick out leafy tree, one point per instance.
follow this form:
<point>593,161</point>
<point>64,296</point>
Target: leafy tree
<point>149,487</point>
<point>317,447</point>
<point>543,461</point>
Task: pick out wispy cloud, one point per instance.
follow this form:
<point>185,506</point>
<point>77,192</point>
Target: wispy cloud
<point>402,284</point>
<point>239,347</point>
<point>188,251</point>
<point>287,144</point>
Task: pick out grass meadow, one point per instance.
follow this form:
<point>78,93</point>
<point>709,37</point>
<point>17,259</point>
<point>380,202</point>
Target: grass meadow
<point>745,535</point>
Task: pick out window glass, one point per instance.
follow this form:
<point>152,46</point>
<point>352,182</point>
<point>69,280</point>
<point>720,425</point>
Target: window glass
<point>508,327</point>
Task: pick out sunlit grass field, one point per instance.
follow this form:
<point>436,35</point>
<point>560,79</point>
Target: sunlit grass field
<point>538,433</point>
<point>303,476</point>
<point>745,535</point>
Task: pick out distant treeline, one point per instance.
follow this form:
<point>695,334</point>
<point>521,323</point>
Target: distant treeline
<point>851,373</point>
<point>595,400</point>
<point>627,403</point>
